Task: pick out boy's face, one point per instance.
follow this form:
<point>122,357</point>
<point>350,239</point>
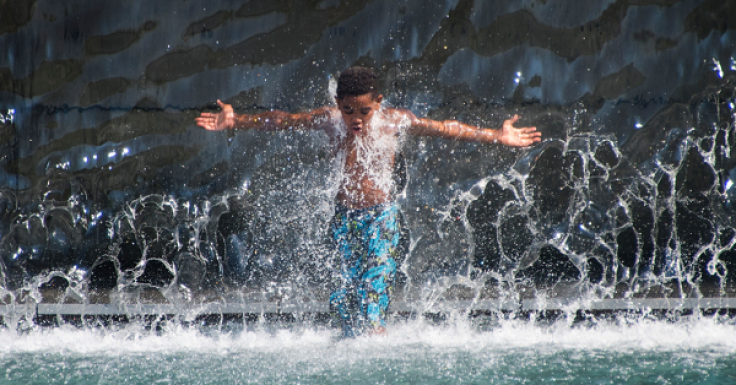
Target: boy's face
<point>357,111</point>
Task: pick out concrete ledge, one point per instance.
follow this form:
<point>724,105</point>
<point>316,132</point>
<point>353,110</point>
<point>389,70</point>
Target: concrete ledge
<point>17,309</point>
<point>323,307</point>
<point>443,306</point>
<point>631,304</point>
<point>135,309</point>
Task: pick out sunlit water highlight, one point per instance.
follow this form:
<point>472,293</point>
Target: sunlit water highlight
<point>658,352</point>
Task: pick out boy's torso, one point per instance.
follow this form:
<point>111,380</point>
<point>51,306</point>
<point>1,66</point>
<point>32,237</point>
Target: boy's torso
<point>368,160</point>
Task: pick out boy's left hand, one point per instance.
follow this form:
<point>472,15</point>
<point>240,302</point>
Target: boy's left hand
<point>518,137</point>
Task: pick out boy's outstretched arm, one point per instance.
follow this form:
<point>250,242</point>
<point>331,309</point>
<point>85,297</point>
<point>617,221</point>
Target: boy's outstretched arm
<point>450,129</point>
<point>270,120</point>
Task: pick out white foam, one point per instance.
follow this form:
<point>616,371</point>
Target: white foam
<point>701,334</point>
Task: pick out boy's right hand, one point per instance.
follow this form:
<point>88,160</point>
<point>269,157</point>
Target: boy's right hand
<point>217,122</point>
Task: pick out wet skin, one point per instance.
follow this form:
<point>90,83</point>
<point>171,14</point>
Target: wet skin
<point>360,189</point>
<point>357,111</point>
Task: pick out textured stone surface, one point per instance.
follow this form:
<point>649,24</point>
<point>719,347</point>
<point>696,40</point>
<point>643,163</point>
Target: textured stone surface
<point>112,43</point>
<point>14,14</point>
<point>711,15</point>
<point>48,76</point>
<point>97,91</point>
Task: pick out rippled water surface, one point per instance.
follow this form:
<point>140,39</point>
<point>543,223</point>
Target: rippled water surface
<point>656,352</point>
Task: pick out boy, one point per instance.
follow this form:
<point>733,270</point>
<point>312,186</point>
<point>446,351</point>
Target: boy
<point>365,230</point>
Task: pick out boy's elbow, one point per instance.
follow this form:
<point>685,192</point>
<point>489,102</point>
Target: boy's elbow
<point>451,129</point>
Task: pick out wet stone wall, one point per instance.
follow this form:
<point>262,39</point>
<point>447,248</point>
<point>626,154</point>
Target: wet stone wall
<point>110,193</point>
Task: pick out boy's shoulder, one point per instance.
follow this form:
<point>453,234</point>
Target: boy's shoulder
<point>398,117</point>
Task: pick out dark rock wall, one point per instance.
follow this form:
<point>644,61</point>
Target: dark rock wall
<point>109,191</point>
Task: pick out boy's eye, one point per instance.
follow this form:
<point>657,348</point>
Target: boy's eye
<point>365,111</point>
<point>348,110</point>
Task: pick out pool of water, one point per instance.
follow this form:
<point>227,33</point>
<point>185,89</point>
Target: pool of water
<point>699,350</point>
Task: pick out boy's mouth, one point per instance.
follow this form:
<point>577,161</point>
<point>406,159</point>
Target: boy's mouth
<point>356,128</point>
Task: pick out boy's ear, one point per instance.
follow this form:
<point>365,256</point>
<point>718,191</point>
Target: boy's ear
<point>379,98</point>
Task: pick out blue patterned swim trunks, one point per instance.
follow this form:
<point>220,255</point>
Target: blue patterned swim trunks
<point>366,241</point>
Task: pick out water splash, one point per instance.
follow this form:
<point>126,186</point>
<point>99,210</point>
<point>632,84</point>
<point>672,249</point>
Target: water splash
<point>580,215</point>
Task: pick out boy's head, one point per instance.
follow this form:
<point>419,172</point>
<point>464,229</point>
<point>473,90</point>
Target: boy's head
<point>358,98</point>
<point>356,81</point>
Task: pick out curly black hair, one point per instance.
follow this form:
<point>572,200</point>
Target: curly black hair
<point>356,81</point>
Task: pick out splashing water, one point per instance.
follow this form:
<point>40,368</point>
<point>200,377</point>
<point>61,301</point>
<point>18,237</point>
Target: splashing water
<point>112,201</point>
<point>573,217</point>
<point>698,350</point>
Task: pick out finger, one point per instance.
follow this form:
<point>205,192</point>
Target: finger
<point>204,120</point>
<point>514,119</point>
<point>204,125</point>
<point>220,103</point>
<point>207,115</point>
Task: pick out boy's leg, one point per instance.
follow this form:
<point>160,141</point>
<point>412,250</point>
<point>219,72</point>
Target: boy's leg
<point>379,268</point>
<point>343,307</point>
<point>344,304</point>
<point>366,244</point>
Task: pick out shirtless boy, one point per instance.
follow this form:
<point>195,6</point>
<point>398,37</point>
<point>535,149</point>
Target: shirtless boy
<point>365,229</point>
